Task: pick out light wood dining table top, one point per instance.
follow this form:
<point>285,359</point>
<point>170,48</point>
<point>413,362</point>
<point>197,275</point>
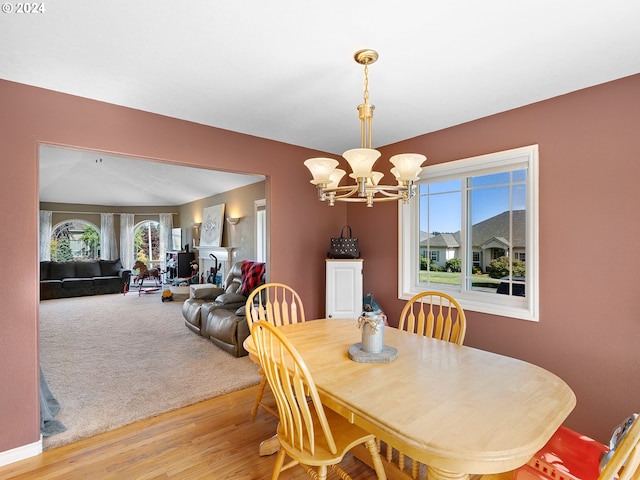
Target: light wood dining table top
<point>452,407</point>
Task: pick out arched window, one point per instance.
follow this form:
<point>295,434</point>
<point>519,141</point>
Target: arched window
<point>146,244</point>
<point>75,239</point>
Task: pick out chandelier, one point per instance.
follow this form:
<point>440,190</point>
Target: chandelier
<point>406,169</point>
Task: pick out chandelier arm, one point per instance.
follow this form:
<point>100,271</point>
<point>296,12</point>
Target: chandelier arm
<point>365,199</point>
<point>340,192</point>
<point>386,190</point>
<point>395,192</point>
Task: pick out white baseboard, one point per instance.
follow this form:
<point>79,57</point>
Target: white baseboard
<point>21,453</point>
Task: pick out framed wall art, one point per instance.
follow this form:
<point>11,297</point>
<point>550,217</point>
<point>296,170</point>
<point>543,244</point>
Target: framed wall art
<point>211,228</point>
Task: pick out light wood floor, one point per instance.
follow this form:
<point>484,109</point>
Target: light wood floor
<point>211,440</point>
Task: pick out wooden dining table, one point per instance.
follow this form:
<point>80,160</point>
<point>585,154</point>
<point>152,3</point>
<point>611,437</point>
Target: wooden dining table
<point>456,409</point>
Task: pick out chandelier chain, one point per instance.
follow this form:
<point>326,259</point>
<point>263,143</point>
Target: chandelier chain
<point>366,113</point>
<point>366,84</point>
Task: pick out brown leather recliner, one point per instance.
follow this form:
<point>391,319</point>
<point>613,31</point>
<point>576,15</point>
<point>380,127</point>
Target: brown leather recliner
<point>218,313</point>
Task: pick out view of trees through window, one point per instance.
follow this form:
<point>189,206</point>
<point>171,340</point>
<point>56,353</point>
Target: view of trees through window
<point>80,240</point>
<point>74,240</point>
<point>146,243</point>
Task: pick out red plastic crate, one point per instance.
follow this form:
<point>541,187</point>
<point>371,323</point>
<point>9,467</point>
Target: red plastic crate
<point>566,456</point>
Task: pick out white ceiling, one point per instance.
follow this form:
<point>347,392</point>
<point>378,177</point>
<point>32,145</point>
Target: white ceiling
<point>284,69</point>
<point>81,177</point>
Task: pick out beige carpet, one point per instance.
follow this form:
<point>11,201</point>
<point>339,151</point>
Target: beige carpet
<point>114,359</point>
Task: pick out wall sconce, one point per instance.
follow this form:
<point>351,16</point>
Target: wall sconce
<point>233,220</point>
<point>196,231</point>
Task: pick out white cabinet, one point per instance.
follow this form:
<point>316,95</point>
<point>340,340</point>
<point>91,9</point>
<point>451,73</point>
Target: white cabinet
<point>344,288</point>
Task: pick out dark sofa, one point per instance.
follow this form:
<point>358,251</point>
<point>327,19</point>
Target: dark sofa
<point>81,277</point>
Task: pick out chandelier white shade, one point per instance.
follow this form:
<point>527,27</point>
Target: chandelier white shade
<point>321,169</point>
<point>367,189</point>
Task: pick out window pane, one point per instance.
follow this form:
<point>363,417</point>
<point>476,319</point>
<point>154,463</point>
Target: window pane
<point>146,240</point>
<point>520,175</point>
<point>492,179</point>
<point>440,225</point>
<point>488,202</point>
<point>75,240</point>
<point>497,234</point>
<point>441,187</point>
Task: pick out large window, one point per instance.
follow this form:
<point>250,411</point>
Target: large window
<point>75,240</point>
<point>146,244</point>
<point>469,230</point>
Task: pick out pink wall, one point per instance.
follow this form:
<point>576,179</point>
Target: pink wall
<point>31,115</point>
<point>589,329</point>
<point>589,164</point>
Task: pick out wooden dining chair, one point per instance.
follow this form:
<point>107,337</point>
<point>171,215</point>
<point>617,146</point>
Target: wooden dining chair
<point>570,455</point>
<point>308,434</point>
<point>279,305</point>
<point>624,463</point>
<point>435,315</point>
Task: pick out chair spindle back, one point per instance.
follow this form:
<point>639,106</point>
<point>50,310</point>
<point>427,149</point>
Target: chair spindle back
<point>435,315</point>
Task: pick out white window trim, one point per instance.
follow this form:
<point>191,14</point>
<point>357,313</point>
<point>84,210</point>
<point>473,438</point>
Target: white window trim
<point>526,308</point>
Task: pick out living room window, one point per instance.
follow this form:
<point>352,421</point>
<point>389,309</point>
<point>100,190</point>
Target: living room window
<point>146,244</point>
<point>482,212</point>
<point>75,240</point>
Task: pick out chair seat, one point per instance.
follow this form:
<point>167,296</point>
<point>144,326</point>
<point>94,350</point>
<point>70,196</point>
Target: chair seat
<point>345,434</point>
<point>566,456</point>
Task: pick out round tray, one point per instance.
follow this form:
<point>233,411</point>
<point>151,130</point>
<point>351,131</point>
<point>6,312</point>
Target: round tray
<point>387,355</point>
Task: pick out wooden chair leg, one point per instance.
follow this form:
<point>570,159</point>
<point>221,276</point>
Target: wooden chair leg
<point>258,403</point>
<point>277,468</point>
<point>341,473</point>
<point>322,473</point>
<point>254,410</point>
<point>372,445</point>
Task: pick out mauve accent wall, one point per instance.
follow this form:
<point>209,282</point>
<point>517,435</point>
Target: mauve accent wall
<point>32,115</point>
<point>589,164</point>
<point>589,328</point>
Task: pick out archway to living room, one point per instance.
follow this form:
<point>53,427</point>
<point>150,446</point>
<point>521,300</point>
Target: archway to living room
<point>145,319</point>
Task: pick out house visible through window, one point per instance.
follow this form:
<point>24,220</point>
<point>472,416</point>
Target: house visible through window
<point>75,240</point>
<point>469,231</point>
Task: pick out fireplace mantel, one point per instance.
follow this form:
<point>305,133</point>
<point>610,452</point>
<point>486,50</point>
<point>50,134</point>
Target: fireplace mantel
<point>224,255</point>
